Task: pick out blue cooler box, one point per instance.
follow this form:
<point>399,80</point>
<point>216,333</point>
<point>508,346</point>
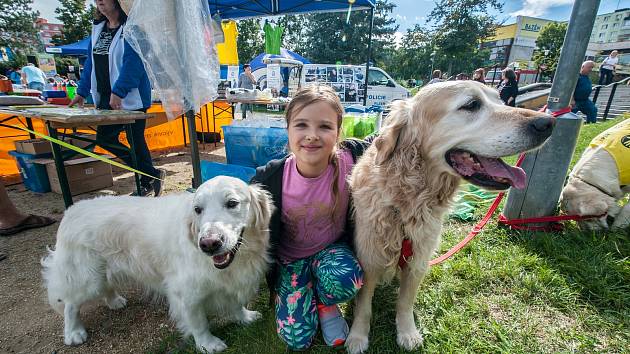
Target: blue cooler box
<point>34,175</point>
<point>211,169</point>
<point>253,147</point>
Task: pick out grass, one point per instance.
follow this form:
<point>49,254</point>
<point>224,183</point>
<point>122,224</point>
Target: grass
<point>516,292</point>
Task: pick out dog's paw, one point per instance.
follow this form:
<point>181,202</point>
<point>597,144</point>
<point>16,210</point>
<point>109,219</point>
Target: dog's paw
<point>212,345</point>
<point>116,303</point>
<point>249,316</point>
<point>356,344</point>
<point>409,340</point>
<point>75,337</point>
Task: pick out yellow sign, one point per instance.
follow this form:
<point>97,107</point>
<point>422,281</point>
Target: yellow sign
<point>530,27</point>
<point>503,32</point>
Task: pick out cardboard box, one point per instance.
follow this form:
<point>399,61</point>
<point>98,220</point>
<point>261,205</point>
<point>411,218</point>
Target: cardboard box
<point>33,146</point>
<point>84,175</point>
<point>81,143</point>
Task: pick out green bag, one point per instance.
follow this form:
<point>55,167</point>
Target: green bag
<point>358,125</point>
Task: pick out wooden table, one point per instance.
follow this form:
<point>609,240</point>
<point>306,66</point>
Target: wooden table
<point>61,117</point>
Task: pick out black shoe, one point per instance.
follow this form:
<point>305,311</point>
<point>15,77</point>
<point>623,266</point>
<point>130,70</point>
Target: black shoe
<point>157,183</point>
<point>144,191</point>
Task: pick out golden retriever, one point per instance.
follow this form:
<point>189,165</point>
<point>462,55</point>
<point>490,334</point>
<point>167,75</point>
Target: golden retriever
<point>405,181</point>
<point>205,252</point>
<point>594,188</point>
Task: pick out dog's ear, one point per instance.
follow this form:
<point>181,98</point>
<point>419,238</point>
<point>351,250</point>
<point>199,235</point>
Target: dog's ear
<point>262,206</point>
<point>387,140</point>
<point>193,226</point>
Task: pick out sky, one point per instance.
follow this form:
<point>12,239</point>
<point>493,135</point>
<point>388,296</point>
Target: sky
<point>408,13</point>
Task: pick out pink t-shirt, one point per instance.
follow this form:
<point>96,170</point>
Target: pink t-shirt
<point>306,207</point>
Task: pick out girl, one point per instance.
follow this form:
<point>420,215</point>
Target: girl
<point>508,88</point>
<point>479,75</point>
<point>315,268</point>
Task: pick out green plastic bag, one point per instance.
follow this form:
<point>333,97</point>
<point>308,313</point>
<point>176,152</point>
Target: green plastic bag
<point>358,125</point>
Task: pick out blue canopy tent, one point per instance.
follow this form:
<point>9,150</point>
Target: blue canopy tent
<point>236,9</point>
<point>258,63</point>
<point>78,48</point>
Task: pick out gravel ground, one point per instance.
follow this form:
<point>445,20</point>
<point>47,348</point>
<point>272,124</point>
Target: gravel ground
<point>29,325</point>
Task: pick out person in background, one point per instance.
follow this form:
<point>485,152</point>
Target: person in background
<point>247,81</point>
<point>607,68</point>
<point>480,75</point>
<point>50,84</point>
<point>12,221</point>
<point>15,76</point>
<point>436,77</point>
<point>311,229</point>
<point>33,77</point>
<point>582,93</point>
<point>508,87</point>
<point>126,87</point>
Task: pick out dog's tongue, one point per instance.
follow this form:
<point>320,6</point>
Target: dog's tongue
<point>498,168</point>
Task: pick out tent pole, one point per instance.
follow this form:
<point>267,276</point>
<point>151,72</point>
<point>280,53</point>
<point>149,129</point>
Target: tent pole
<point>369,54</point>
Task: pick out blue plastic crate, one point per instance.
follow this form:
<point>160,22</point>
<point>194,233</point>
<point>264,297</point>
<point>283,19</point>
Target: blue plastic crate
<point>211,169</point>
<point>253,147</point>
<point>34,175</point>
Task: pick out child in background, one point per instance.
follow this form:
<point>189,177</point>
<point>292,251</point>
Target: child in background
<point>311,233</point>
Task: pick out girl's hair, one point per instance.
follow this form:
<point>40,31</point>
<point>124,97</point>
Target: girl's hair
<point>99,17</point>
<point>509,74</point>
<point>308,96</point>
<point>437,74</point>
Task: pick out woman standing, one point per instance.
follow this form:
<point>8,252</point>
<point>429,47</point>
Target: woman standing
<point>607,68</point>
<point>508,87</point>
<point>115,76</point>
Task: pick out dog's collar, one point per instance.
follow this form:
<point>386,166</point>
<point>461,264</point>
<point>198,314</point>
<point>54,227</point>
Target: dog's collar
<point>595,186</point>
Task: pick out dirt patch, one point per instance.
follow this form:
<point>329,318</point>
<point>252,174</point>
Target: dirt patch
<point>29,325</point>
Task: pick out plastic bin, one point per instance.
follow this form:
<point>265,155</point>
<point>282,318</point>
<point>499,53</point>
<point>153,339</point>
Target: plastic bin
<point>253,147</point>
<point>34,175</point>
<point>211,169</point>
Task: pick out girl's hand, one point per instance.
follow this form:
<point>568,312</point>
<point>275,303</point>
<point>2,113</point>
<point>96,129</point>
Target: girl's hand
<point>78,100</point>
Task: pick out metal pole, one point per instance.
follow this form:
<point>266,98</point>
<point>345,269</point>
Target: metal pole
<point>369,54</point>
<point>547,167</point>
<point>194,148</point>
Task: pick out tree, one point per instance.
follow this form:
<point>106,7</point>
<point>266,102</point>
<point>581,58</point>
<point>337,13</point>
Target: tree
<point>413,58</point>
<point>294,35</point>
<point>549,44</point>
<point>460,25</point>
<point>250,40</point>
<point>330,39</point>
<point>77,21</point>
<point>17,25</point>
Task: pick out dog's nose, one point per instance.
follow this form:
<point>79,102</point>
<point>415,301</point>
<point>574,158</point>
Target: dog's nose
<point>542,125</point>
<point>210,244</point>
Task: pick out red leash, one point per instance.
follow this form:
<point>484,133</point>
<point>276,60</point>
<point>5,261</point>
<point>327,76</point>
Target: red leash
<point>406,251</point>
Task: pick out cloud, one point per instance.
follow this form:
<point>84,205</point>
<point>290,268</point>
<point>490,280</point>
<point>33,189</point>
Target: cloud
<point>539,7</point>
<point>398,36</point>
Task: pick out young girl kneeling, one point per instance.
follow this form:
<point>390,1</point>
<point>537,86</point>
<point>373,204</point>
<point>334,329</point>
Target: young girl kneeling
<point>311,232</point>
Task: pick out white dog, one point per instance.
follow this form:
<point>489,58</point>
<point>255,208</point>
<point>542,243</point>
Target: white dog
<point>205,252</point>
<point>403,185</point>
<point>597,182</point>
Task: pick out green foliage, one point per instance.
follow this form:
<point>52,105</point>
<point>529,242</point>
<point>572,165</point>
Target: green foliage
<point>62,64</point>
<point>18,61</point>
<point>77,21</point>
<point>330,39</point>
<point>459,27</point>
<point>550,39</point>
<point>250,39</point>
<point>293,37</point>
<point>17,30</point>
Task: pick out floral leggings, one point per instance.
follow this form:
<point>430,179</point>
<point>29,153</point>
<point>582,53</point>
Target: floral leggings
<point>331,276</point>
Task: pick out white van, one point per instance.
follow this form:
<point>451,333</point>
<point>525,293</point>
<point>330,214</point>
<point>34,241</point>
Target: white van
<point>347,80</point>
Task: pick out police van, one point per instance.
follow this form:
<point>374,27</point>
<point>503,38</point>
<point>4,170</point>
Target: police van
<point>348,81</point>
